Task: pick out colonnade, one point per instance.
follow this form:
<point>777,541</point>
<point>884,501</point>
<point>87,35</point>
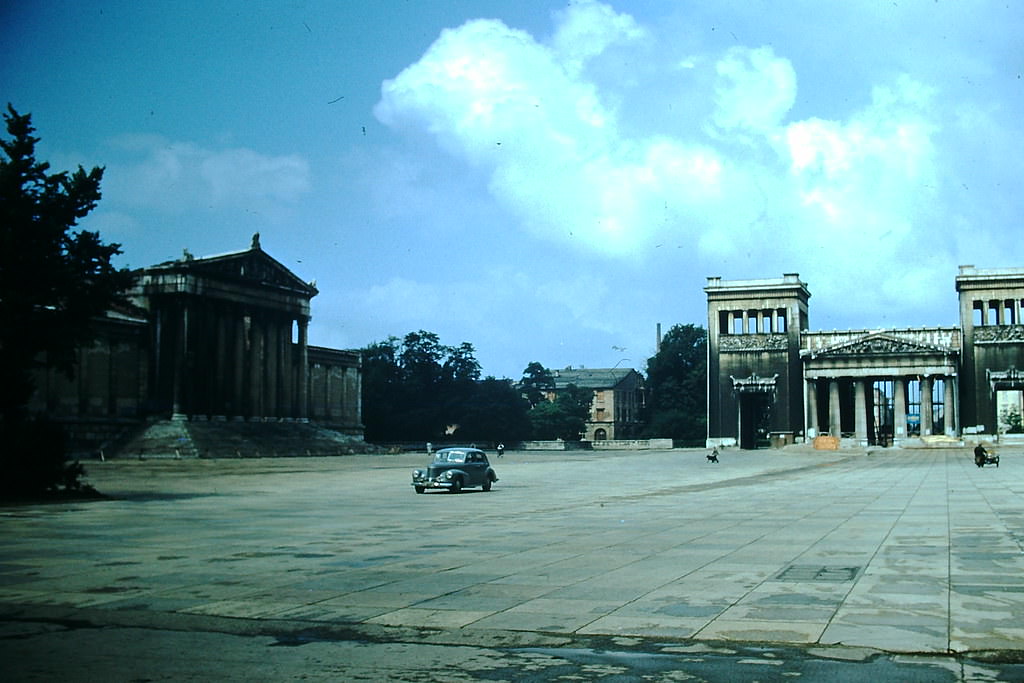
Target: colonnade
<point>755,321</point>
<point>231,360</point>
<point>864,408</point>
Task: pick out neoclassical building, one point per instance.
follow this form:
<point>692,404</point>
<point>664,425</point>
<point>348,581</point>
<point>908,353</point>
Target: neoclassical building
<point>772,378</point>
<point>216,338</point>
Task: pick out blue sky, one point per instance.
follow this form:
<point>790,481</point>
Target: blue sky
<point>545,180</point>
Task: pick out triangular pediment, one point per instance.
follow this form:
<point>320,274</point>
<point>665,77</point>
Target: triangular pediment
<point>252,267</point>
<point>881,344</point>
<point>255,266</point>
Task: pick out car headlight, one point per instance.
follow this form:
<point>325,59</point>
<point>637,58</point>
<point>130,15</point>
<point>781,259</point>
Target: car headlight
<point>416,474</point>
<point>448,474</point>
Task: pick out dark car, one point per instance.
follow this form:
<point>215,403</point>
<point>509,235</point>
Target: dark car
<point>455,469</point>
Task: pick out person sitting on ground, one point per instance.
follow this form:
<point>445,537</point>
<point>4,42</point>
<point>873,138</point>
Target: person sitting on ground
<point>980,454</point>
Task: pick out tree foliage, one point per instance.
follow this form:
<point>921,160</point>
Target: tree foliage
<point>536,383</point>
<point>677,386</point>
<point>562,418</point>
<point>418,389</point>
<point>54,281</point>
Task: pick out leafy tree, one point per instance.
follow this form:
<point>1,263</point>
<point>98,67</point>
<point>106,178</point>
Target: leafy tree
<point>381,383</point>
<point>492,410</point>
<point>1012,421</point>
<point>54,282</point>
<point>677,386</point>
<point>461,364</point>
<point>416,388</point>
<point>536,383</point>
<point>562,418</point>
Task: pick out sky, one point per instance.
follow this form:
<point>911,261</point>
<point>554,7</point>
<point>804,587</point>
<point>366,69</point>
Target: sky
<point>546,180</point>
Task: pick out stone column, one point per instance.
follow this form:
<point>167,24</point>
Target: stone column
<point>860,408</point>
<point>835,427</point>
<point>746,321</point>
<point>926,406</point>
<point>180,354</point>
<point>238,367</point>
<point>899,410</point>
<point>303,370</point>
<point>287,372</point>
<point>812,408</point>
<point>255,369</point>
<point>273,349</point>
<point>948,409</point>
<point>220,389</point>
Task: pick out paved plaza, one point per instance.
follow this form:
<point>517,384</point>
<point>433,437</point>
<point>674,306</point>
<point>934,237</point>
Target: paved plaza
<point>894,550</point>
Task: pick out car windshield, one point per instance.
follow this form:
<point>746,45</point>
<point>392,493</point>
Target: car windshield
<point>453,456</point>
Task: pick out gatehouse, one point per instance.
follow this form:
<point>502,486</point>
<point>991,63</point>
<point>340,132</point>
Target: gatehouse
<point>771,379</point>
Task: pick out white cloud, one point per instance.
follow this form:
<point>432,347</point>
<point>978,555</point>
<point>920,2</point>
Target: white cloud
<point>755,90</point>
<point>586,29</point>
<point>178,176</point>
<point>749,187</point>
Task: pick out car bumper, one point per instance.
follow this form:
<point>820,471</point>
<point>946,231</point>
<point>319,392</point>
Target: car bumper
<point>433,484</point>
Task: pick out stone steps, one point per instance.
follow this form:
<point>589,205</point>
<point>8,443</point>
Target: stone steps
<point>163,439</point>
<point>226,439</point>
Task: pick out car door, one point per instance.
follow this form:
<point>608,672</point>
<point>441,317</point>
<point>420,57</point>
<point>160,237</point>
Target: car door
<point>475,469</point>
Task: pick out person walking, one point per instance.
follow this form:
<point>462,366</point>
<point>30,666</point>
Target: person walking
<point>501,450</point>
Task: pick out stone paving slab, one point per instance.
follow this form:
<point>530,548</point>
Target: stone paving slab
<point>898,550</point>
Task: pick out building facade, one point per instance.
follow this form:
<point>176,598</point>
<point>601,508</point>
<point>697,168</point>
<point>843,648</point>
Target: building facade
<point>771,378</point>
<point>616,404</point>
<point>218,338</point>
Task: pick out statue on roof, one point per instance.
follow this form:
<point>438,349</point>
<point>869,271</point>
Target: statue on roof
<point>255,240</point>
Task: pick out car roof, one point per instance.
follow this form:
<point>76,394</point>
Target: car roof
<point>459,449</point>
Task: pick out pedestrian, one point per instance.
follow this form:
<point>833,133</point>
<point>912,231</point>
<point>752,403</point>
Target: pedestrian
<point>430,447</point>
<point>501,450</point>
<point>979,455</point>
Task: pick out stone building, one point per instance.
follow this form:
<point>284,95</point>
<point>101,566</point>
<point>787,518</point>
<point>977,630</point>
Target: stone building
<point>618,397</point>
<point>216,338</point>
<point>771,378</point>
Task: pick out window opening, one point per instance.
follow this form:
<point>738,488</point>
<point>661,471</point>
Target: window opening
<point>914,407</point>
<point>1009,409</point>
<point>883,412</point>
<point>939,406</point>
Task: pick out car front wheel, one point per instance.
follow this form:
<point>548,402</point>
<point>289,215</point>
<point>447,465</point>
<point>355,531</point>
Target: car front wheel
<point>420,489</point>
<point>456,485</point>
<point>487,485</point>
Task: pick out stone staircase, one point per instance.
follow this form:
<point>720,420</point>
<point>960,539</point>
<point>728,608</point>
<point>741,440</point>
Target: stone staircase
<point>163,439</point>
<point>219,439</point>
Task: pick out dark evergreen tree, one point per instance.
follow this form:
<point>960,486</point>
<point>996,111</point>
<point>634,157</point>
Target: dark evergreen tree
<point>54,282</point>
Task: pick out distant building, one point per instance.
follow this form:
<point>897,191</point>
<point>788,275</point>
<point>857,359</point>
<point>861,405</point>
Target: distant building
<point>771,378</point>
<point>216,338</point>
<point>618,397</point>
